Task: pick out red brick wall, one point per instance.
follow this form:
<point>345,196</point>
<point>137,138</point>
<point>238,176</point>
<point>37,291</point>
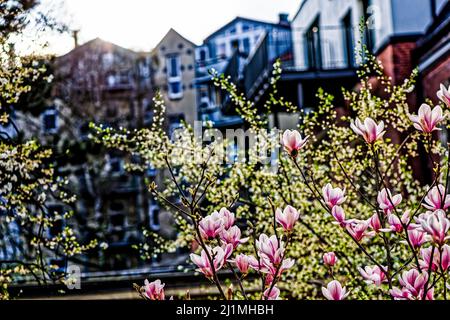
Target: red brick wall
<point>433,77</point>
<point>398,64</point>
<point>397,60</point>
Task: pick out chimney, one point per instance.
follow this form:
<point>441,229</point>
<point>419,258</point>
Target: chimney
<point>75,37</point>
<point>283,19</point>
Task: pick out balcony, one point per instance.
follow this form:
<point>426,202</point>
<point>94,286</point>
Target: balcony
<point>315,53</point>
<point>202,68</point>
<point>273,46</point>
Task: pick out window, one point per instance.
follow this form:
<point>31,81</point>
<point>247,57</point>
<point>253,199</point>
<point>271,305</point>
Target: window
<point>222,50</point>
<point>175,123</point>
<point>175,90</point>
<point>235,44</point>
<point>50,121</point>
<point>116,206</point>
<point>154,217</point>
<point>313,48</point>
<point>115,165</point>
<point>151,170</point>
<point>202,55</point>
<point>108,59</point>
<point>84,131</point>
<point>245,27</point>
<point>348,40</point>
<point>246,45</point>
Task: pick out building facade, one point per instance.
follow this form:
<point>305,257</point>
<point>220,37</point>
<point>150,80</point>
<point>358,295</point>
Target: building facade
<point>227,51</point>
<point>106,84</point>
<point>325,36</point>
<point>173,73</point>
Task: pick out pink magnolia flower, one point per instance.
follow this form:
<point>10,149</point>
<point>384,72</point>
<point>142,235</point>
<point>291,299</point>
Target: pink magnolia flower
<point>154,290</point>
<point>333,196</point>
<point>232,236</point>
<point>444,95</point>
<point>272,293</point>
<point>334,291</point>
<point>227,217</point>
<point>219,256</point>
<point>413,280</point>
<point>436,225</point>
<point>329,259</point>
<point>396,224</point>
<point>375,222</point>
<point>267,267</point>
<point>358,230</point>
<point>387,201</point>
<point>427,119</point>
<point>293,142</point>
<point>242,262</point>
<point>434,199</point>
<point>405,294</point>
<point>211,226</point>
<point>287,218</point>
<point>445,257</point>
<point>437,263</point>
<point>270,248</point>
<point>412,283</point>
<point>426,259</point>
<point>400,294</point>
<point>369,130</point>
<point>373,275</point>
<point>254,263</point>
<point>271,270</point>
<point>339,215</point>
<point>416,238</point>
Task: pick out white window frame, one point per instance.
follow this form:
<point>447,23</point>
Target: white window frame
<point>174,79</point>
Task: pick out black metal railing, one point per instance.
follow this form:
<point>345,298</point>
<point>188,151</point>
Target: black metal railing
<point>233,67</point>
<point>313,49</point>
<point>274,45</point>
<point>202,67</point>
<point>328,48</point>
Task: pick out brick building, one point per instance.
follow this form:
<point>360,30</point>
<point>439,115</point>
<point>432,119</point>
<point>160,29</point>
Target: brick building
<point>103,83</point>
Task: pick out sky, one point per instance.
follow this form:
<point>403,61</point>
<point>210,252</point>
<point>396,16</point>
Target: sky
<point>140,24</point>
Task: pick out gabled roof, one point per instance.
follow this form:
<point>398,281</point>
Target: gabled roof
<point>172,30</point>
<point>238,19</point>
<point>97,42</point>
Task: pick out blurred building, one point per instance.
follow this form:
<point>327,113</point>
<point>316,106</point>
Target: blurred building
<point>226,51</point>
<point>103,83</point>
<point>325,35</point>
<point>173,68</point>
<point>432,53</point>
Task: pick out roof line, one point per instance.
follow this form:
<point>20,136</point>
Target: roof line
<point>85,44</point>
<point>299,9</point>
<point>246,19</point>
<point>165,35</point>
